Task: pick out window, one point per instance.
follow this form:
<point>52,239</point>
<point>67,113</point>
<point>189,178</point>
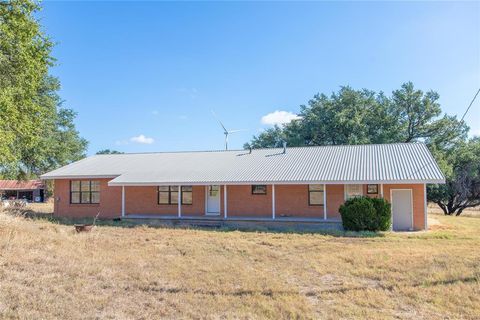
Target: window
<point>213,190</point>
<point>353,190</point>
<point>187,195</point>
<point>259,189</point>
<point>315,194</point>
<point>84,191</point>
<point>169,195</point>
<point>372,189</point>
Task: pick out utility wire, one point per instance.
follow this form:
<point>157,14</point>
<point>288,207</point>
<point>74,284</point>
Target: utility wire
<point>466,111</point>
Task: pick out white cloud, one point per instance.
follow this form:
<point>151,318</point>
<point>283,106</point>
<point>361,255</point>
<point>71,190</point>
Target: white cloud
<point>142,139</point>
<point>279,117</point>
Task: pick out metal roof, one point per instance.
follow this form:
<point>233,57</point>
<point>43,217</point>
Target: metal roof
<point>379,163</point>
<point>21,185</point>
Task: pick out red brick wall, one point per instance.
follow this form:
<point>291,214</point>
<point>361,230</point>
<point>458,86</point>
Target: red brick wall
<point>335,198</point>
<point>242,203</point>
<point>292,201</point>
<point>144,200</point>
<point>110,205</point>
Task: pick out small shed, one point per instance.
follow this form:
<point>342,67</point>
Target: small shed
<point>29,190</point>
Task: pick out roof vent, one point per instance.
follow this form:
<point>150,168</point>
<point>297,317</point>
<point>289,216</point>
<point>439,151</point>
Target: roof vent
<point>284,146</point>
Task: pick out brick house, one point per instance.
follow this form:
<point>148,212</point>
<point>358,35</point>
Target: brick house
<point>290,184</point>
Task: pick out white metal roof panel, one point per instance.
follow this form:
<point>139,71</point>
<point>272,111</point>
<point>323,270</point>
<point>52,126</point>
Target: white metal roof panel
<point>380,163</point>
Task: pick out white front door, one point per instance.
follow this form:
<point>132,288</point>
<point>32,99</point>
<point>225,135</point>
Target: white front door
<point>402,210</point>
<point>213,200</point>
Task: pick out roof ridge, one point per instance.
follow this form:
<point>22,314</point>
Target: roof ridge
<point>274,148</point>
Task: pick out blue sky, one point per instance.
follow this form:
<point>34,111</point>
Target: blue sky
<point>143,76</point>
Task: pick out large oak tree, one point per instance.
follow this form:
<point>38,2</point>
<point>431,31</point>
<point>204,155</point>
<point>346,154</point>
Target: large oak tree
<point>36,132</point>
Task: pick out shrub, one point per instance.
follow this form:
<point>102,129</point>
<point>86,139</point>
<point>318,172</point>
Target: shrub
<point>383,217</point>
<point>366,214</point>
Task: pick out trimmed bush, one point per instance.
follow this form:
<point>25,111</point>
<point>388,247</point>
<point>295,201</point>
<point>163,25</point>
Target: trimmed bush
<point>366,214</point>
<point>383,217</point>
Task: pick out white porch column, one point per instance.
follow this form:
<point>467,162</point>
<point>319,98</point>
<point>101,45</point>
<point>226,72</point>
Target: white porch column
<point>381,190</point>
<point>426,206</point>
<point>206,200</point>
<point>273,201</point>
<point>225,201</point>
<point>123,201</point>
<point>179,201</point>
<point>324,202</point>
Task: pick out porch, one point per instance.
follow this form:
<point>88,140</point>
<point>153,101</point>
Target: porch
<point>251,223</point>
<point>289,203</point>
<point>267,202</point>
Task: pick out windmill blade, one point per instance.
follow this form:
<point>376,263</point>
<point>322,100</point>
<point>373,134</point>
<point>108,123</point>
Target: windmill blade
<point>213,113</point>
<point>239,130</point>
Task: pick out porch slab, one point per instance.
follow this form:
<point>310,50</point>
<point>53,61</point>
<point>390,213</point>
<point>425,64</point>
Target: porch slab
<point>243,223</point>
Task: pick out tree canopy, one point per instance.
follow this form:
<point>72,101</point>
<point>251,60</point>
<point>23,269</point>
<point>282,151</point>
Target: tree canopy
<point>408,115</point>
<point>362,116</point>
<point>36,132</point>
<point>108,151</point>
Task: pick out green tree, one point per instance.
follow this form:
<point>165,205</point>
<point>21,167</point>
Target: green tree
<point>417,116</point>
<point>24,61</point>
<point>461,166</point>
<point>108,151</point>
<point>347,117</point>
<point>270,138</point>
<point>36,132</point>
<point>362,116</point>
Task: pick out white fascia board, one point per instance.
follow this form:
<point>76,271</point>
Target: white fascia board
<point>43,177</point>
<point>202,183</point>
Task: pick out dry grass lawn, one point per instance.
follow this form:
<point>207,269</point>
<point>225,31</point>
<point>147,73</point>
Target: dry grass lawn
<point>48,271</point>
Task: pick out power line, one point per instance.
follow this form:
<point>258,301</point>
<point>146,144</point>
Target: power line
<point>466,111</point>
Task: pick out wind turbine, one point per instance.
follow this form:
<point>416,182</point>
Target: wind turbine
<point>225,131</point>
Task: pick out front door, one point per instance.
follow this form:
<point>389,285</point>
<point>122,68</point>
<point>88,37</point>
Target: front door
<point>213,200</point>
<point>402,210</point>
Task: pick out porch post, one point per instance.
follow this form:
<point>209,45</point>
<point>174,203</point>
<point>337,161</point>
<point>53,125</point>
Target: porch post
<point>225,201</point>
<point>425,205</point>
<point>381,190</point>
<point>179,201</point>
<point>123,201</point>
<point>324,202</point>
<point>206,200</point>
<point>273,201</point>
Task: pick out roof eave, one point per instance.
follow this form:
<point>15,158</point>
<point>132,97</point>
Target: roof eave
<point>60,177</point>
<point>202,183</point>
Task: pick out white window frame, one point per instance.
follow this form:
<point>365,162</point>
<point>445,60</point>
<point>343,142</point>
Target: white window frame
<point>346,191</point>
<point>322,191</point>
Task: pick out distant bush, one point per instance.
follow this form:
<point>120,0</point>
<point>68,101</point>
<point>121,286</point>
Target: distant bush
<point>366,214</point>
